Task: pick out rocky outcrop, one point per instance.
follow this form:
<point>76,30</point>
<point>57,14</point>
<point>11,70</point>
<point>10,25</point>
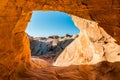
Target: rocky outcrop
<point>15,59</point>
<point>95,45</point>
<point>52,45</point>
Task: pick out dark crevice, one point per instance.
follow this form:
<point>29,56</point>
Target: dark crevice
<point>118,54</point>
<point>84,2</point>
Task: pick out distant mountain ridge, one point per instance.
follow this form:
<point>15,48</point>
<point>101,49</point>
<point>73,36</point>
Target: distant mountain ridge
<point>49,46</point>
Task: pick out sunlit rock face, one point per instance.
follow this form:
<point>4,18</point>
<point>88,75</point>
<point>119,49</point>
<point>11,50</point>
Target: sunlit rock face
<point>92,46</point>
<point>15,60</point>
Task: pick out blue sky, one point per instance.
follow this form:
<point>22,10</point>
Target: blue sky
<point>44,24</point>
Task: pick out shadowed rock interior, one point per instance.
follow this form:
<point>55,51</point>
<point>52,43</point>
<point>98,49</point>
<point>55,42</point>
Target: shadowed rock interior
<point>15,60</point>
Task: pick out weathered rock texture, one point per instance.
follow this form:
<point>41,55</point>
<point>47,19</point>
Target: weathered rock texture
<point>92,46</point>
<point>15,60</point>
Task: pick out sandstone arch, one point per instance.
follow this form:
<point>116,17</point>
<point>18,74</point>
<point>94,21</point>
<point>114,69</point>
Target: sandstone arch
<point>15,14</point>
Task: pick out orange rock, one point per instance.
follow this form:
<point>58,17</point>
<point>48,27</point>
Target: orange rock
<point>15,60</point>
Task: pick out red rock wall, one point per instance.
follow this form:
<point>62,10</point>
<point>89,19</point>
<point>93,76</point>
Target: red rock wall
<point>15,14</point>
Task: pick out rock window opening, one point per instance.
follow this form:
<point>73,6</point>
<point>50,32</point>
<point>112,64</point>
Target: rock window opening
<point>49,33</point>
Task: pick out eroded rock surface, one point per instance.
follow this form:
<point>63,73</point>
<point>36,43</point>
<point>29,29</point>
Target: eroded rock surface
<point>100,71</point>
<point>92,46</point>
<point>15,59</point>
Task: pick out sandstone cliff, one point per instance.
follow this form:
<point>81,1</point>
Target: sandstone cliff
<point>92,46</point>
<point>15,60</point>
